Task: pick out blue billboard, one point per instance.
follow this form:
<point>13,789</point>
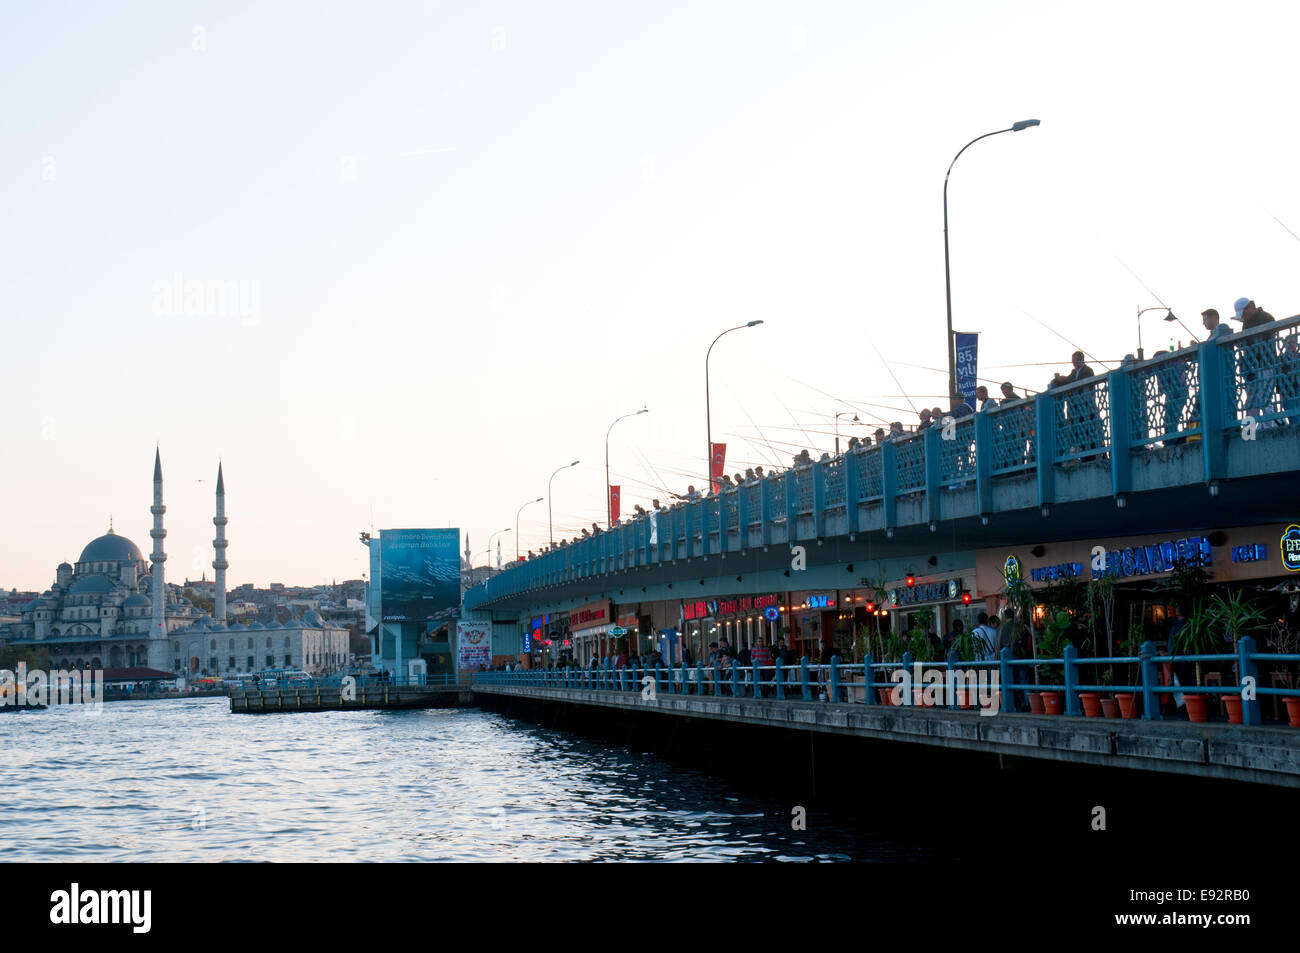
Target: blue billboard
<point>967,349</point>
<point>419,574</point>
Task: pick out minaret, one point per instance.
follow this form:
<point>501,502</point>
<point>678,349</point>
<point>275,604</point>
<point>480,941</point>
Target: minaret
<point>219,544</point>
<point>158,628</point>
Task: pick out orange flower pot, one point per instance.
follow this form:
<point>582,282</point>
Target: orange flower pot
<point>1109,708</point>
<point>1036,703</point>
<point>1196,707</point>
<point>1128,706</point>
<point>1293,711</point>
<point>1053,702</point>
<point>1233,704</point>
<point>1091,704</point>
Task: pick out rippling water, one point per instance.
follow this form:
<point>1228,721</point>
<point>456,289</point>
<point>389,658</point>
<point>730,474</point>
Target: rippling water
<point>187,780</point>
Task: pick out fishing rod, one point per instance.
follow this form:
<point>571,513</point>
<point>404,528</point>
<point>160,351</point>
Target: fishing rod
<point>1279,221</point>
<point>775,460</point>
<point>1061,336</point>
<point>901,389</point>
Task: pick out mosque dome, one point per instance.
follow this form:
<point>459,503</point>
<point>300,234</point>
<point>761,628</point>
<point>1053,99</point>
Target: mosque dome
<point>111,548</point>
<point>311,618</point>
<point>90,585</point>
<point>137,601</point>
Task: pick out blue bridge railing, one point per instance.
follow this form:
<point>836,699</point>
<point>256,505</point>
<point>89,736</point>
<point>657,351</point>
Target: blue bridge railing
<point>1202,396</point>
<point>993,682</point>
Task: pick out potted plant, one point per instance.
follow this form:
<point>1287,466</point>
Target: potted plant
<point>1196,637</point>
<point>1234,616</point>
<point>919,644</point>
<point>1131,648</point>
<point>1109,706</point>
<point>1052,645</point>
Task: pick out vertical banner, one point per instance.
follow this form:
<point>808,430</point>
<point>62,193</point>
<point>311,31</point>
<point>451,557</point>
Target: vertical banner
<point>717,465</point>
<point>967,348</point>
<point>613,504</point>
<point>473,645</point>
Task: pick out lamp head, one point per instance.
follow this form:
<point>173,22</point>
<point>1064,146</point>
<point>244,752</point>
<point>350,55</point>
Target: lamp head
<point>574,463</point>
<point>1024,124</point>
<point>1170,317</point>
<point>752,323</point>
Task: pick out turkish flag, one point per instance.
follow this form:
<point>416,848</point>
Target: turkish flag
<point>718,465</point>
<point>613,504</point>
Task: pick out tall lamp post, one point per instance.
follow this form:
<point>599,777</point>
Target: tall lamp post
<point>708,416</point>
<point>842,413</point>
<point>947,279</point>
<point>609,509</point>
<point>517,512</point>
<point>550,522</point>
<point>492,537</point>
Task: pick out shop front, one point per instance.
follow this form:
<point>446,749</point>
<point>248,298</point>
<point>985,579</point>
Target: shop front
<point>588,632</point>
<point>1262,561</point>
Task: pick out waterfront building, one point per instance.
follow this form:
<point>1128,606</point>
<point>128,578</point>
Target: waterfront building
<point>112,608</point>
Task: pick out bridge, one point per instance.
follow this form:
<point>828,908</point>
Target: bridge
<point>1207,436</point>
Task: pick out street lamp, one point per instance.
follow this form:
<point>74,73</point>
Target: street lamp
<point>549,519</point>
<point>494,536</point>
<point>609,510</point>
<point>517,512</point>
<point>947,279</point>
<point>837,428</point>
<point>708,417</point>
<point>1169,318</point>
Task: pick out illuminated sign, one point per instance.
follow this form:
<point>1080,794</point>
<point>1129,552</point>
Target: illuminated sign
<point>745,604</point>
<point>1291,548</point>
<point>821,601</point>
<point>1059,571</point>
<point>1011,568</point>
<point>925,592</point>
<point>1159,557</point>
<point>584,617</point>
<point>1250,553</point>
<point>771,613</point>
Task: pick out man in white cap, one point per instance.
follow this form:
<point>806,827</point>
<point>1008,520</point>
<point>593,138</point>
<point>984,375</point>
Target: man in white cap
<point>1249,315</point>
<point>1258,356</point>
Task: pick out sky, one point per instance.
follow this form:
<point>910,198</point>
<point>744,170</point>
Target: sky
<point>429,251</point>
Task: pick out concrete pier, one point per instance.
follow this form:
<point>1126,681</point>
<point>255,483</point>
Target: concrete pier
<point>361,698</point>
<point>1260,755</point>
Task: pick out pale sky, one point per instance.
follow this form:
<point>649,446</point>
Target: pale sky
<point>476,233</point>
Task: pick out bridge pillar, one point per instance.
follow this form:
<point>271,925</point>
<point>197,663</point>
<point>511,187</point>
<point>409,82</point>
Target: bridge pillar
<point>984,462</point>
<point>1045,447</point>
<point>1121,433</point>
<point>851,464</point>
<point>889,484</point>
<point>933,473</point>
<point>1214,418</point>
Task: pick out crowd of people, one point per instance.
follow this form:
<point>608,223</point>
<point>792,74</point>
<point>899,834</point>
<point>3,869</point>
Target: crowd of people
<point>1079,418</point>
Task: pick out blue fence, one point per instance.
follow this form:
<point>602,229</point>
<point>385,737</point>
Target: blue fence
<point>1202,395</point>
<point>999,683</point>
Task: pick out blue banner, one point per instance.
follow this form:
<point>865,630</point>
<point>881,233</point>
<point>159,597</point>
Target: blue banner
<point>967,348</point>
<point>419,574</point>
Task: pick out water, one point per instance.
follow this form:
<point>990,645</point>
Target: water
<point>187,780</point>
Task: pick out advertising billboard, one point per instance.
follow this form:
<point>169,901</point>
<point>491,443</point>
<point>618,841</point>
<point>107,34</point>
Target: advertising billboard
<point>419,574</point>
<point>473,645</point>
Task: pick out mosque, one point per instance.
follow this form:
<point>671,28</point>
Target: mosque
<point>112,609</point>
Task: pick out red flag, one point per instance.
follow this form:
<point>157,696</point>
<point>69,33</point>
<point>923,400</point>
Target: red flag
<point>613,504</point>
<point>719,465</point>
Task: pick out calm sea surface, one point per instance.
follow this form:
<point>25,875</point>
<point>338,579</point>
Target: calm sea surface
<point>187,780</point>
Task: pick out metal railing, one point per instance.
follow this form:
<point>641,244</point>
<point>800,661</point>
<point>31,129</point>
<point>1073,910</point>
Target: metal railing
<point>1217,389</point>
<point>957,684</point>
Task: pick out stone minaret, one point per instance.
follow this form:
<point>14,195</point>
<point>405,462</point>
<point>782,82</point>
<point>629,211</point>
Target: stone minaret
<point>158,627</point>
<point>219,544</point>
